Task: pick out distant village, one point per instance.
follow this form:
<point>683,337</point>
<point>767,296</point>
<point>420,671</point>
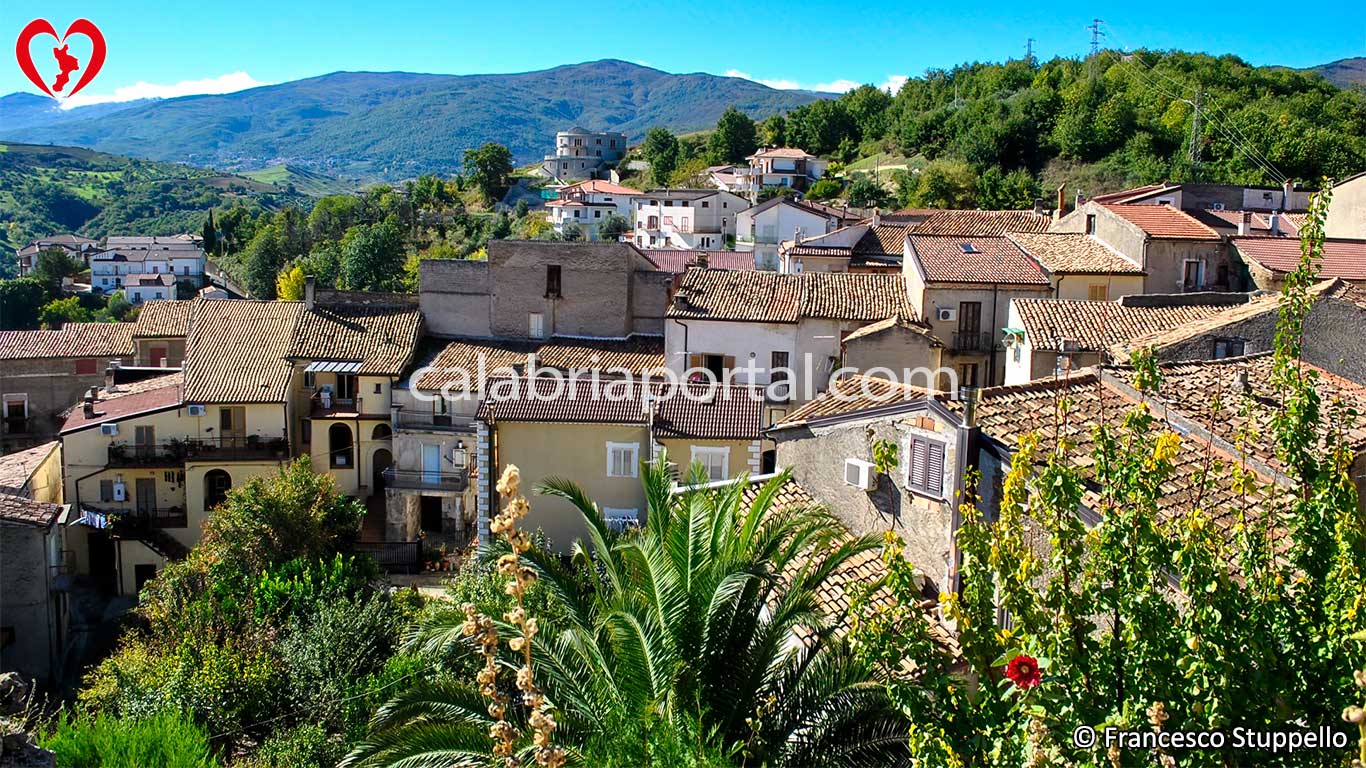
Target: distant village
<point>119,439</point>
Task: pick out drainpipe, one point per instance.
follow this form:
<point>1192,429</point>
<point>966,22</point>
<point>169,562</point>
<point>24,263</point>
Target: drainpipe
<point>969,459</point>
<point>995,323</point>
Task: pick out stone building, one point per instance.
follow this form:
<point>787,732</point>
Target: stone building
<point>42,373</point>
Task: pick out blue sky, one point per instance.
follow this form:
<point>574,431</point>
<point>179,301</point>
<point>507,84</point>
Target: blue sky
<point>170,48</point>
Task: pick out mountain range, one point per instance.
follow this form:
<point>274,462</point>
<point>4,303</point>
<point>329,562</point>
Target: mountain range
<point>1344,73</point>
<point>393,125</point>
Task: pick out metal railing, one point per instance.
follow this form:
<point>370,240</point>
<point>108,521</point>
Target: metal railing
<point>174,452</point>
<point>444,480</point>
<point>15,425</point>
<point>972,341</point>
<point>150,517</point>
<point>394,556</point>
<point>442,422</point>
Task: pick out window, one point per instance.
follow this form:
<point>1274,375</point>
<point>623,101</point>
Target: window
<point>379,388</point>
<point>106,490</point>
<point>1229,348</point>
<point>967,375</point>
<point>706,203</point>
<point>339,445</point>
<point>925,466</point>
<point>158,356</point>
<point>715,461</point>
<point>1098,292</point>
<point>310,380</point>
<point>346,386</point>
<point>217,483</point>
<point>429,511</point>
<point>536,323</point>
<point>1193,275</point>
<point>776,415</point>
<point>552,281</point>
<point>88,366</point>
<point>16,414</point>
<point>1090,223</point>
<point>622,459</point>
<point>778,372</point>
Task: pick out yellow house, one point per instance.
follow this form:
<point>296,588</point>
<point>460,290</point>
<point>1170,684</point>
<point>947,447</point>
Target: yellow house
<point>599,436</point>
<point>1081,266</point>
<point>145,463</point>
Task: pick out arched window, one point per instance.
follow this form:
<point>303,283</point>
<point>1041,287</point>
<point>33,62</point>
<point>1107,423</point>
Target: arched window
<point>382,432</point>
<point>339,445</point>
<point>217,483</point>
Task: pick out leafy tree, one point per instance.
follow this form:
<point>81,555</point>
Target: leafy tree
<point>661,152</point>
<point>943,183</point>
<point>521,209</point>
<point>372,256</point>
<point>614,227</point>
<point>734,139</point>
<point>118,306</point>
<point>820,126</point>
<point>824,189</point>
<point>59,312</point>
<point>267,252</point>
<point>20,301</point>
<point>488,168</point>
<point>210,235</point>
<point>864,192</point>
<point>333,215</point>
<point>867,108</point>
<point>682,627</point>
<point>571,233</point>
<point>289,286</point>
<point>54,264</point>
<point>1016,190</point>
<point>773,131</point>
<point>690,173</point>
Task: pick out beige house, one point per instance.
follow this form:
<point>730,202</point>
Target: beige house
<point>599,440</point>
<point>689,219</point>
<point>1177,253</point>
<point>43,372</point>
<point>963,287</point>
<point>1347,210</point>
<point>1268,260</point>
<point>1081,266</point>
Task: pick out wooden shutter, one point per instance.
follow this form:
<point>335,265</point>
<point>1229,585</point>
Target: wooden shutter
<point>919,459</point>
<point>934,481</point>
<point>729,362</point>
<point>697,361</point>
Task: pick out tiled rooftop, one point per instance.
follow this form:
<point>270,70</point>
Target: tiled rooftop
<point>638,355</point>
<point>1341,258</point>
<point>990,260</point>
<point>967,223</point>
<point>73,340</point>
<point>20,509</point>
<point>1163,222</point>
<point>1077,254</point>
<point>1098,325</point>
<point>769,297</point>
<point>16,468</point>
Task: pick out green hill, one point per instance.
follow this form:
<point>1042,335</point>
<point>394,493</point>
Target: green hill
<point>1345,73</point>
<point>45,190</point>
<point>396,125</point>
<point>300,180</point>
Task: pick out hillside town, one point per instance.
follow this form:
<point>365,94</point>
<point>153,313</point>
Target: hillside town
<point>732,333</point>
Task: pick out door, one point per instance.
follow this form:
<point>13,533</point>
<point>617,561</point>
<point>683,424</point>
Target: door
<point>102,558</point>
<point>970,326</point>
<point>232,424</point>
<point>144,441</point>
<point>431,464</point>
<point>146,495</point>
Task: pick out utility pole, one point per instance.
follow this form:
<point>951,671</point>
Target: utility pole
<point>1029,51</point>
<point>1195,135</point>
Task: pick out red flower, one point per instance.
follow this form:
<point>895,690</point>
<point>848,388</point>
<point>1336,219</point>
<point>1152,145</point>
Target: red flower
<point>1023,671</point>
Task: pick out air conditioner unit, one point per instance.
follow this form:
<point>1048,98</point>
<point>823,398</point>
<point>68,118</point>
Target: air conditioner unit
<point>860,474</point>
<point>946,314</point>
<point>197,410</point>
<point>109,429</point>
<point>120,491</point>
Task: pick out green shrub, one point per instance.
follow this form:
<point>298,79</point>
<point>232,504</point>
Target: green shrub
<point>165,739</point>
<point>824,189</point>
<point>304,746</point>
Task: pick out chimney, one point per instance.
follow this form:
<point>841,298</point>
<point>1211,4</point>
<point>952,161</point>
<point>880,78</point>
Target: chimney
<point>89,405</point>
<point>1241,383</point>
<point>877,218</point>
<point>968,395</point>
<point>703,260</point>
<point>310,288</point>
<point>1274,222</point>
<point>1062,199</point>
<point>1287,189</point>
<point>1244,223</point>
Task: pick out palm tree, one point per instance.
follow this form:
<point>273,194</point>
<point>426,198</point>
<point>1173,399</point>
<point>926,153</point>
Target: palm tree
<point>704,623</point>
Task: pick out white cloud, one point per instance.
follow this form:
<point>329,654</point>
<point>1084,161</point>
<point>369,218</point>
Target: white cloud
<point>894,82</point>
<point>234,81</point>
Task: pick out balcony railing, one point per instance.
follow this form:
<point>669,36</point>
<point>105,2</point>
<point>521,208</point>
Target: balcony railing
<point>15,425</point>
<point>426,420</point>
<point>972,341</point>
<point>149,517</point>
<point>346,407</point>
<point>176,452</point>
<point>444,480</point>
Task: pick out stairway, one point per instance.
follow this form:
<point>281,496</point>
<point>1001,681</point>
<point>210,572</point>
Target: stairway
<point>157,540</point>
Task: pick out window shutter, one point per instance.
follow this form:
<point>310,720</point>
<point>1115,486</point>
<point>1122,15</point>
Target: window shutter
<point>934,482</point>
<point>697,361</point>
<point>106,490</point>
<point>729,362</point>
<point>919,451</point>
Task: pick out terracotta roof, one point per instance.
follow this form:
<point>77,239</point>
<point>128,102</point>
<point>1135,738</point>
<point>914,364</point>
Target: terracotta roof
<point>781,152</point>
<point>1098,325</point>
<point>1207,392</point>
<point>1075,254</point>
<point>1137,193</point>
<point>161,319</point>
<point>1341,258</point>
<point>236,351</point>
<point>638,354</point>
<point>148,395</point>
<point>993,260</point>
<point>687,411</point>
<point>380,336</point>
<point>678,261</point>
<point>1163,222</point>
<point>147,281</point>
<point>962,223</point>
<point>883,242</point>
<point>19,509</point>
<point>1261,305</point>
<point>73,340</point>
<point>601,186</point>
<point>769,297</point>
<point>1259,221</point>
<point>17,468</point>
<point>880,326</point>
<point>851,394</point>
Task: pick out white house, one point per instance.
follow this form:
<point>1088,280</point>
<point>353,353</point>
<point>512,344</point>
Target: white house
<point>124,258</point>
<point>781,167</point>
<point>583,154</point>
<point>149,287</point>
<point>589,203</point>
<point>760,230</point>
<point>686,219</point>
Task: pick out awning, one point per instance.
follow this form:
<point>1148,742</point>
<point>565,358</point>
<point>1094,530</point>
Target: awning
<point>332,366</point>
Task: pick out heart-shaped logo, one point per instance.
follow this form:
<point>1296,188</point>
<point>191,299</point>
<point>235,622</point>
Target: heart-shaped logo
<point>66,62</point>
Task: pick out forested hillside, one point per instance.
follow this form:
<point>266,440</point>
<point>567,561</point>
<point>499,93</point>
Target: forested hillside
<point>997,135</point>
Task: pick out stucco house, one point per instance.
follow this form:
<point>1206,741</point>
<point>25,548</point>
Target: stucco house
<point>686,219</point>
<point>583,154</point>
<point>761,228</point>
<point>1268,260</point>
<point>587,205</point>
<point>43,372</point>
<point>1177,253</point>
<point>33,603</point>
<point>1080,266</point>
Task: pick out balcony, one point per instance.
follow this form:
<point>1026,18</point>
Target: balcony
<point>15,425</point>
<point>347,408</point>
<point>445,480</point>
<point>172,453</point>
<point>143,517</point>
<point>972,341</point>
<point>432,422</point>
